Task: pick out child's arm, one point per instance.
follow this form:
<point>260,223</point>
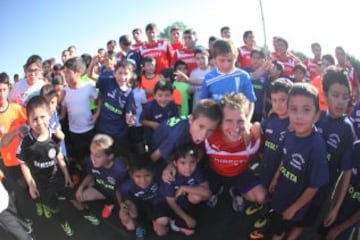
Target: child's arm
<point>202,190</point>
<point>340,192</point>
<point>150,124</point>
<point>86,182</point>
<point>6,138</point>
<point>305,198</point>
<point>274,181</point>
<point>190,222</point>
<point>64,170</point>
<point>338,229</point>
<point>92,67</point>
<point>59,134</point>
<point>34,193</point>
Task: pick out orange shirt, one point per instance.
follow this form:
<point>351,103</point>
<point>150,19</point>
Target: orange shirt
<point>149,84</point>
<point>11,119</point>
<point>317,82</point>
<point>177,97</point>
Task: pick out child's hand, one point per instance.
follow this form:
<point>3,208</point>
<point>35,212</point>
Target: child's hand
<point>331,217</point>
<point>180,76</point>
<point>190,222</point>
<point>79,195</point>
<point>68,182</point>
<point>255,130</point>
<point>23,130</point>
<point>34,193</point>
<point>130,119</point>
<point>168,174</point>
<point>180,191</point>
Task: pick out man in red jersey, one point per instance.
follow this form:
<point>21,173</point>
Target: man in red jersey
<point>313,65</point>
<point>244,59</point>
<point>159,49</point>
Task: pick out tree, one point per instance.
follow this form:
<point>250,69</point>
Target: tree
<point>166,32</point>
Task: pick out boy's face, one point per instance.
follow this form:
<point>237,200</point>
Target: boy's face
<point>279,104</point>
<point>163,98</point>
<point>299,75</point>
<point>33,72</point>
<point>234,124</point>
<point>137,36</point>
<point>110,62</point>
<point>149,67</point>
<point>257,60</point>
<point>189,40</point>
<point>202,60</point>
<point>142,178</point>
<point>302,114</point>
<point>122,75</point>
<point>226,34</point>
<point>225,62</point>
<point>39,119</point>
<point>185,166</point>
<point>337,98</point>
<point>249,40</point>
<point>201,128</point>
<point>182,68</point>
<point>71,77</point>
<point>176,35</point>
<point>151,35</point>
<point>59,92</point>
<point>52,101</point>
<point>4,92</point>
<point>98,157</point>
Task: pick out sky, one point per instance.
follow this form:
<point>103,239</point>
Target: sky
<point>48,27</point>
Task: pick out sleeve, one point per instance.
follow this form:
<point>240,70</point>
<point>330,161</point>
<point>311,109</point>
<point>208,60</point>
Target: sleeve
<point>204,89</point>
<point>130,106</point>
<point>170,53</point>
<point>319,169</point>
<point>248,88</point>
<point>346,161</point>
<point>93,92</point>
<point>21,151</point>
<point>143,99</point>
<point>169,190</point>
<point>22,115</point>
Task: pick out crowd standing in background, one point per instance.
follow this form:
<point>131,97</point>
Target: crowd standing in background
<point>155,128</point>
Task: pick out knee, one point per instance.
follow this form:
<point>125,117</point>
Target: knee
<point>194,199</point>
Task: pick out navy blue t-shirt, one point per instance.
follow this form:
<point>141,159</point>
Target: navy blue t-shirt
<point>130,191</point>
<point>259,86</point>
<point>105,74</point>
<point>304,165</point>
<point>108,179</point>
<point>170,134</point>
<point>195,179</point>
<point>339,136</point>
<point>356,119</point>
<point>274,130</point>
<point>115,103</point>
<point>152,111</point>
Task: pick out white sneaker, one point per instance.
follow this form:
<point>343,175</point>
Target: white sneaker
<point>238,201</point>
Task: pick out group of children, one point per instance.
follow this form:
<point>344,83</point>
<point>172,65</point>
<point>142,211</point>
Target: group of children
<point>141,152</point>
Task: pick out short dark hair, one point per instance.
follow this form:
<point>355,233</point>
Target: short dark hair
<point>48,90</point>
<point>4,78</point>
<point>185,150</point>
<point>139,161</point>
<point>224,47</point>
<point>305,89</point>
<point>247,33</point>
<point>201,50</point>
<point>329,58</point>
<point>163,85</point>
<point>281,85</point>
<point>179,63</point>
<point>151,27</point>
<point>257,51</point>
<point>136,30</point>
<point>125,40</point>
<point>76,64</point>
<point>36,102</point>
<point>111,42</point>
<point>301,67</point>
<point>148,59</point>
<point>225,28</point>
<point>280,39</point>
<point>209,109</point>
<point>334,75</point>
<point>33,59</point>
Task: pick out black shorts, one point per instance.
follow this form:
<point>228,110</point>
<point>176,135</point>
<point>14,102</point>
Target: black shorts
<point>243,182</point>
<point>49,192</point>
<point>148,210</point>
<point>109,198</point>
<point>80,144</point>
<point>278,225</point>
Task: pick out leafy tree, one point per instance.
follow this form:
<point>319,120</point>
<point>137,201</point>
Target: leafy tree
<point>354,62</point>
<point>166,32</point>
<point>299,55</point>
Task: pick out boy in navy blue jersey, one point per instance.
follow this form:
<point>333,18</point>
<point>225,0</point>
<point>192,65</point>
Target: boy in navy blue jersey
<point>274,129</point>
<point>341,226</point>
<point>356,119</point>
<point>259,84</point>
<point>339,135</point>
<point>139,198</point>
<point>177,131</point>
<point>116,106</point>
<point>188,189</point>
<point>303,169</point>
<point>159,109</point>
<point>105,174</point>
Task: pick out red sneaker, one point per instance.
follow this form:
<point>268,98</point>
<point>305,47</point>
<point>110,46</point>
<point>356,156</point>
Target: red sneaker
<point>106,212</point>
